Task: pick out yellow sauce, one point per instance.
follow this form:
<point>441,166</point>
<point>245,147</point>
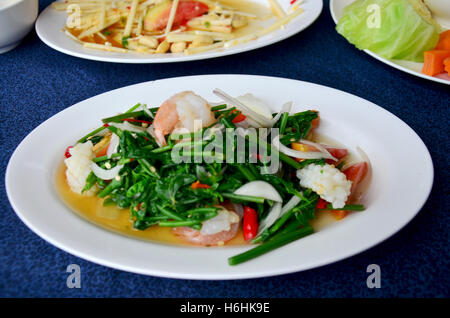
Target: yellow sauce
<point>118,220</point>
<point>114,218</point>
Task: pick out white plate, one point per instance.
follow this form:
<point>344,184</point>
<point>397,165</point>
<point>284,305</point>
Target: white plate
<point>402,180</point>
<point>50,23</point>
<point>336,7</point>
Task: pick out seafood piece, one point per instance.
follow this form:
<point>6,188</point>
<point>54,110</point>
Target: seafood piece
<point>215,231</point>
<point>78,167</point>
<point>180,113</point>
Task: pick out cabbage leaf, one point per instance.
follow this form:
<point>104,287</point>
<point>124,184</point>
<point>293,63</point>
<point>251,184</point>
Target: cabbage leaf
<point>393,29</point>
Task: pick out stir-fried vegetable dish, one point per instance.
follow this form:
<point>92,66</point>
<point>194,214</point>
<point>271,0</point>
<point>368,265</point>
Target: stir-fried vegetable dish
<point>211,171</point>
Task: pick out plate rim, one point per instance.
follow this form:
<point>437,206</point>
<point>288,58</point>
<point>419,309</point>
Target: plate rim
<point>387,61</point>
<point>189,58</point>
<point>168,274</point>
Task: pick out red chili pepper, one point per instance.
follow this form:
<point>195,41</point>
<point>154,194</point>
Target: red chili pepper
<point>137,120</point>
<point>106,125</point>
<point>293,1</point>
<point>240,117</point>
<point>198,185</point>
<point>67,154</point>
<point>250,226</point>
<point>321,204</point>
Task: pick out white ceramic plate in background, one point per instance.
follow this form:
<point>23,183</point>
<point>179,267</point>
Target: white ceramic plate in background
<point>401,182</point>
<point>50,23</point>
<point>336,8</point>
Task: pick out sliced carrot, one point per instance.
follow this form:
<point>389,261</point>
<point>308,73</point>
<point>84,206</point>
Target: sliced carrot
<point>198,185</point>
<point>447,65</point>
<point>434,62</point>
<point>315,122</point>
<point>444,41</point>
<point>240,117</point>
<point>102,152</point>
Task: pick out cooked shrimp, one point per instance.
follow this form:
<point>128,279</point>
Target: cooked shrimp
<point>215,231</point>
<point>179,112</point>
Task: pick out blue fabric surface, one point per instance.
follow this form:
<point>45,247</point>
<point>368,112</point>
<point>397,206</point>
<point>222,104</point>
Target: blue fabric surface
<point>36,82</point>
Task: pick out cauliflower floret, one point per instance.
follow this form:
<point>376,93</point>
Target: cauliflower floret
<point>327,181</point>
<point>78,167</point>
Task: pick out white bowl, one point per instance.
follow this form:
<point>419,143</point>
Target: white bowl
<point>16,20</point>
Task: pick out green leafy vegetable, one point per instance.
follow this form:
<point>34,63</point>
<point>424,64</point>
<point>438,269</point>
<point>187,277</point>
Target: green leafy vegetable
<point>394,29</point>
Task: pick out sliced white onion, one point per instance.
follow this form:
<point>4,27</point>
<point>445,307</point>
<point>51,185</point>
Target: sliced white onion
<point>319,147</point>
<point>368,176</point>
<point>213,104</point>
<point>243,124</point>
<point>147,111</point>
<point>291,204</point>
<point>285,109</point>
<point>128,126</point>
<point>253,123</point>
<point>264,121</point>
<point>261,189</point>
<point>105,174</point>
<point>256,105</point>
<point>113,145</point>
<point>271,217</point>
<point>364,156</point>
<point>300,154</point>
<point>151,131</point>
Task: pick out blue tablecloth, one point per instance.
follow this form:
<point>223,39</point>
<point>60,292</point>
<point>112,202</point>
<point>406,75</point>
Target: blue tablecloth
<point>36,82</point>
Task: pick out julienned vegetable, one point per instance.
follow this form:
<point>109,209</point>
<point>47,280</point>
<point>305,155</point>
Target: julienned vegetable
<point>131,162</point>
<point>170,26</point>
<point>393,29</point>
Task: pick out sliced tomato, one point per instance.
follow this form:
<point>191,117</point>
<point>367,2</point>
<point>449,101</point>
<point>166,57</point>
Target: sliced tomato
<point>158,17</point>
<point>355,173</point>
<point>338,153</point>
<point>321,204</point>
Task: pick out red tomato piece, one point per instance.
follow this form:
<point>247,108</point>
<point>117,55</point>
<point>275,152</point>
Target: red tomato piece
<point>355,174</point>
<point>321,204</point>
